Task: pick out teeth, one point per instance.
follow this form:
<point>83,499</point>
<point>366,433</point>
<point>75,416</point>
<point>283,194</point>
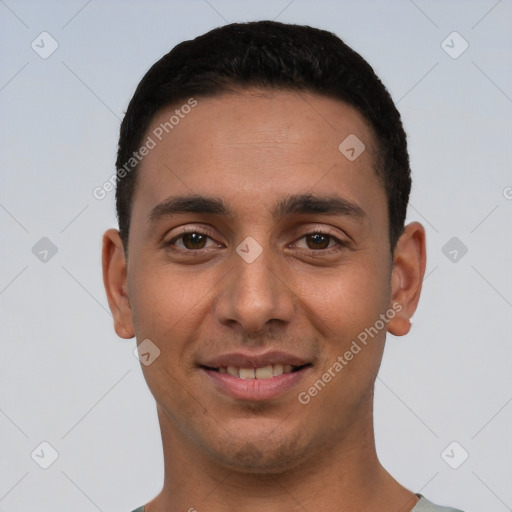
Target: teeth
<point>247,373</point>
<point>233,371</point>
<point>266,372</point>
<point>278,370</point>
<point>263,373</point>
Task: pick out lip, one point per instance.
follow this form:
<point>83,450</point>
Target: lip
<point>255,390</point>
<point>253,360</point>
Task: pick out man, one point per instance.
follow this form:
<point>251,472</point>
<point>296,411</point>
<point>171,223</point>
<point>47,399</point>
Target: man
<point>262,187</point>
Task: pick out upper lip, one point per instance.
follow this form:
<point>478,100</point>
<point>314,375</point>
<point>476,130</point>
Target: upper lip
<point>253,360</point>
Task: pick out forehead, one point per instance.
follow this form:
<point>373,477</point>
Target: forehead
<point>254,146</point>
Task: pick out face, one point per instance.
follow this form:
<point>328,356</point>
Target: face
<point>258,258</point>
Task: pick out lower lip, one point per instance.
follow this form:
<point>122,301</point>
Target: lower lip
<point>255,389</point>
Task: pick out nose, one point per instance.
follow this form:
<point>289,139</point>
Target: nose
<point>254,296</point>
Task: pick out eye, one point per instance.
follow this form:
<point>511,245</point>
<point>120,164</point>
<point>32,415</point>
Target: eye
<point>320,241</point>
<point>191,241</point>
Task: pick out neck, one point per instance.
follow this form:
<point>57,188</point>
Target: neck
<point>341,476</point>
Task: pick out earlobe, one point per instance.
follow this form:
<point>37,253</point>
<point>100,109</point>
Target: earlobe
<point>115,282</point>
<point>409,261</point>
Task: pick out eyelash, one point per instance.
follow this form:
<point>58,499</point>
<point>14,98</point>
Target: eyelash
<point>340,244</point>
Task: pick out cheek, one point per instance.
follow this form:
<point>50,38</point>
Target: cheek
<point>168,310</point>
<point>165,304</point>
<point>350,310</point>
<point>347,301</point>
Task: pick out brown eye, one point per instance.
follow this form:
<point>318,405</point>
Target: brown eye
<point>194,240</point>
<point>318,241</point>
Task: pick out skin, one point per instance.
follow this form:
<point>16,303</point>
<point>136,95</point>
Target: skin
<point>252,149</point>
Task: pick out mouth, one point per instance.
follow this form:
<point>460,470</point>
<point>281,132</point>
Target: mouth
<point>252,377</point>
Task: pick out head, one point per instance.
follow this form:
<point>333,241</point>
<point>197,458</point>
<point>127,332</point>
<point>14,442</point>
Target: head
<point>249,238</point>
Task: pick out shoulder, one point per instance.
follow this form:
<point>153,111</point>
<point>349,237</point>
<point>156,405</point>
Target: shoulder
<point>425,505</point>
<point>140,509</point>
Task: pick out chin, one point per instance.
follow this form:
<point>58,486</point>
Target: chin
<point>262,454</point>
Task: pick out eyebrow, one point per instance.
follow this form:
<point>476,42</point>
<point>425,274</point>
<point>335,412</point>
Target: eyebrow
<point>298,204</point>
<point>308,203</point>
<point>187,204</point>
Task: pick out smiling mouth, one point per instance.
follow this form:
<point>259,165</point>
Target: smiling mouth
<point>262,373</point>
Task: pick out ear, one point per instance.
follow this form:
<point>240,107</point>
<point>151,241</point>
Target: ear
<point>409,261</point>
<point>114,280</point>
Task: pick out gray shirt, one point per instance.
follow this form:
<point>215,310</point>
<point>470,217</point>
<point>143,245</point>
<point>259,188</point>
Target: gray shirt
<point>427,506</point>
<point>422,506</point>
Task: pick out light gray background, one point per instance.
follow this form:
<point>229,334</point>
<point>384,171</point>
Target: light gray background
<point>68,380</point>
